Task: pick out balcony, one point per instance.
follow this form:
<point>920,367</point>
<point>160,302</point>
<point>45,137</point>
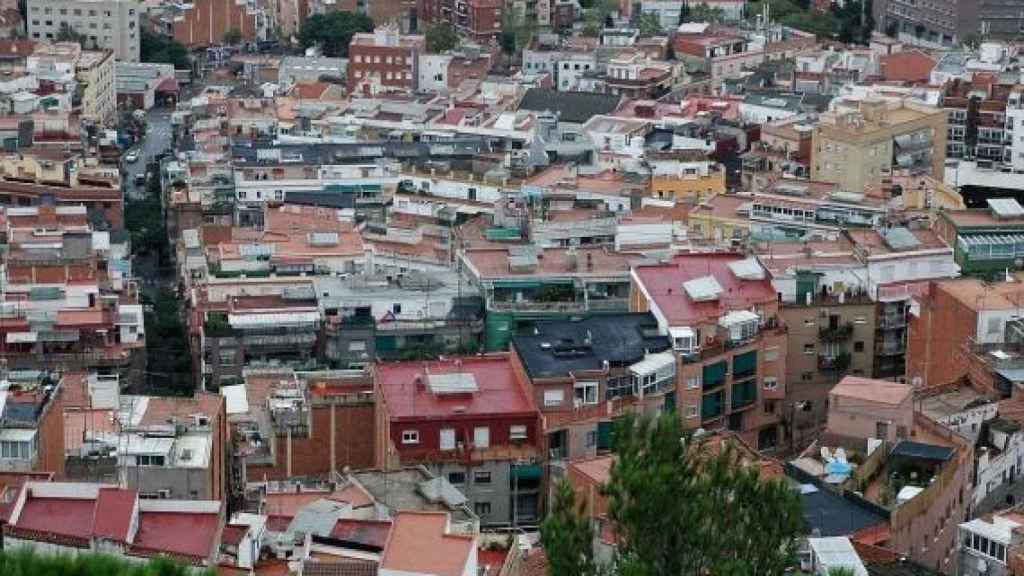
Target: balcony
<point>892,321</point>
<point>840,333</point>
<point>890,348</point>
<point>835,363</point>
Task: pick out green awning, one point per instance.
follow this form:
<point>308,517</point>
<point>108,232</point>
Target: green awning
<point>711,405</point>
<point>744,364</point>
<point>714,374</point>
<point>503,234</point>
<point>744,393</point>
<point>528,472</point>
<point>517,284</point>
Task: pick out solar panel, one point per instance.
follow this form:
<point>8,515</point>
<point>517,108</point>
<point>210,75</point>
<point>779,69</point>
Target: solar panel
<point>452,383</point>
<point>704,289</point>
<point>899,238</point>
<point>1005,207</point>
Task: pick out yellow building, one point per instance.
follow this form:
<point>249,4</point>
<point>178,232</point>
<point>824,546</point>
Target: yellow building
<point>721,219</point>
<point>857,149</point>
<point>686,176</point>
<point>94,72</point>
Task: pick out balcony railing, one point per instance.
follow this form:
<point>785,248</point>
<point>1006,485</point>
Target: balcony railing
<point>892,321</point>
<point>834,363</point>
<point>839,333</point>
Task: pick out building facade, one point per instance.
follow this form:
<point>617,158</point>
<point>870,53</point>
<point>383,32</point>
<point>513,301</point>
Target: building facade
<point>106,24</point>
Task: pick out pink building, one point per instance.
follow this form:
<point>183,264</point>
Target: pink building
<point>868,408</point>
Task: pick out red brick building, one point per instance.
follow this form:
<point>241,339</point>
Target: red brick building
<point>206,22</point>
<point>384,61</point>
<point>474,421</point>
<point>477,19</point>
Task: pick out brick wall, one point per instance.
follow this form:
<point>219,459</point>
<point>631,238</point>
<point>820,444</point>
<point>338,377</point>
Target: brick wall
<point>51,436</point>
<point>207,22</point>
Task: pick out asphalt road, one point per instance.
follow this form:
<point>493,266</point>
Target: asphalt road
<point>156,140</point>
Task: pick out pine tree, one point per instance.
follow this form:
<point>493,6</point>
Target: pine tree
<point>567,536</point>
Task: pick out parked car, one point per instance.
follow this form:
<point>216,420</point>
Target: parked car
<point>132,157</point>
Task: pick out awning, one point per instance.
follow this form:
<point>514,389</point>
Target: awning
<point>21,337</point>
<point>17,434</point>
<point>681,332</point>
<point>278,319</point>
<point>528,472</point>
<point>738,317</point>
<point>654,363</point>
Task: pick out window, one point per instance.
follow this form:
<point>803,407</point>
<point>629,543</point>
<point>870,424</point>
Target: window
<point>770,383</point>
<point>807,376</point>
<point>482,437</point>
<point>808,348</point>
<point>481,477</point>
<point>410,437</point>
<point>554,397</point>
<point>456,477</point>
<point>482,508</point>
<point>145,460</point>
<point>517,432</point>
<point>995,325</point>
<point>17,450</point>
<point>447,439</point>
<point>771,354</point>
<point>396,308</point>
<point>809,322</point>
<point>691,411</point>
<point>858,346</point>
<point>591,438</point>
<point>693,382</point>
<point>357,346</point>
<point>860,320</point>
<point>585,392</point>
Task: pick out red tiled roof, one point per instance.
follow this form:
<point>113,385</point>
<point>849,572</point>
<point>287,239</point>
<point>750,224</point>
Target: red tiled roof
<point>907,66</point>
<point>113,516</point>
<point>367,532</point>
<point>498,392</point>
<point>419,543</point>
<point>177,533</point>
<point>310,90</point>
<point>663,283</point>
<point>233,534</point>
<point>61,516</point>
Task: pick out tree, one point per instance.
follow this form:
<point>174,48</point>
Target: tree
<point>517,31</point>
<point>233,36</point>
<point>703,13</point>
<point>333,31</point>
<point>441,37</point>
<point>67,34</point>
<point>26,562</point>
<point>841,571</point>
<point>648,24</point>
<point>162,49</point>
<point>596,17</point>
<point>567,536</point>
<point>684,506</point>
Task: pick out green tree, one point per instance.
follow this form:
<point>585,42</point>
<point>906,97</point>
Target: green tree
<point>841,571</point>
<point>517,31</point>
<point>333,31</point>
<point>67,34</point>
<point>703,13</point>
<point>26,562</point>
<point>596,17</point>
<point>159,48</point>
<point>567,536</point>
<point>648,24</point>
<point>681,506</point>
<point>441,37</point>
<point>233,36</point>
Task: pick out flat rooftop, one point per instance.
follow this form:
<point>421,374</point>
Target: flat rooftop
<point>558,348</point>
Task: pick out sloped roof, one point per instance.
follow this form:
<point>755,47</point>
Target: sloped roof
<point>577,107</point>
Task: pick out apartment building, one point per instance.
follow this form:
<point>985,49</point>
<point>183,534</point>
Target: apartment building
<point>722,315</point>
<point>31,423</point>
<point>584,373</point>
<point>162,447</point>
<point>204,23</point>
<point>384,61</point>
<point>310,424</point>
<point>69,302</point>
<point>471,420</point>
<point>830,334</point>
<point>858,149</point>
<point>480,20</point>
<point>687,176</point>
<point>94,72</point>
<point>979,123</point>
<point>105,24</point>
<point>986,241</point>
<point>523,284</point>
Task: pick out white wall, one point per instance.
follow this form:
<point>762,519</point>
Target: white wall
<point>433,73</point>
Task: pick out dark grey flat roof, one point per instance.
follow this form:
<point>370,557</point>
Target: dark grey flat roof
<point>911,449</point>
<point>829,514</point>
<point>576,107</point>
<point>561,346</point>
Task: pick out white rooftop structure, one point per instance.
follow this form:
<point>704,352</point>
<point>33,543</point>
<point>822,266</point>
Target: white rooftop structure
<point>738,317</point>
<point>1005,207</point>
<point>704,289</point>
<point>235,399</point>
<point>452,383</point>
<point>748,269</point>
<point>278,319</point>
<point>837,552</point>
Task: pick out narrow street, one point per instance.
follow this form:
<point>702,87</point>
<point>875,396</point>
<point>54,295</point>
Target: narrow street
<point>156,141</point>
